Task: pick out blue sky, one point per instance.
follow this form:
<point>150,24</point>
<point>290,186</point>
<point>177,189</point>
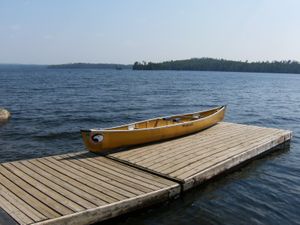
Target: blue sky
<point>124,31</point>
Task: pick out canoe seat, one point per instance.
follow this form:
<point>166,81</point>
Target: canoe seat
<point>196,116</point>
<point>176,120</point>
<point>172,119</point>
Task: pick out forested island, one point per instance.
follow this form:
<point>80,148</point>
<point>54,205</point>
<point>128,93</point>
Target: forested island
<point>90,66</point>
<point>196,64</point>
<point>210,64</point>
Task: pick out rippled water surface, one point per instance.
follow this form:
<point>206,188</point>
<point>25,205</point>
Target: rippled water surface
<point>50,106</point>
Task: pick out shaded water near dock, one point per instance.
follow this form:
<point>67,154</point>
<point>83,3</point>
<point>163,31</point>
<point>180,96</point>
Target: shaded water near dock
<point>50,106</point>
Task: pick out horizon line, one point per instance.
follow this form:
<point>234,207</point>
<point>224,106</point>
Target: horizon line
<point>48,64</point>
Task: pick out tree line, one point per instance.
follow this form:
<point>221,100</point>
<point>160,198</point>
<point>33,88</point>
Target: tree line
<point>210,64</point>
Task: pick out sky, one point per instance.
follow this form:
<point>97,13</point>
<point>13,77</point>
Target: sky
<point>125,31</point>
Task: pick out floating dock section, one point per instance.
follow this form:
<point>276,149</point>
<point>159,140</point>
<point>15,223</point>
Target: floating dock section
<point>84,188</point>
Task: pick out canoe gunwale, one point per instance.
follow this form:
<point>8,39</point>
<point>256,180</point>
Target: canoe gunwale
<point>106,130</point>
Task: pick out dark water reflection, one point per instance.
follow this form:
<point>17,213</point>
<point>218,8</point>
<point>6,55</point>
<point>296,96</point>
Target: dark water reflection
<point>50,106</point>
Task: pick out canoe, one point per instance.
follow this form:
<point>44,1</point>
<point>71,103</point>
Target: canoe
<point>157,129</point>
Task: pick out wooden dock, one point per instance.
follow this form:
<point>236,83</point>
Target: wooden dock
<point>83,188</point>
<point>198,157</point>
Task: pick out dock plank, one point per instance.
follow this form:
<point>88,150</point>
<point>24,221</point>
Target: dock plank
<point>65,205</point>
<point>111,173</point>
<point>107,194</point>
<point>230,162</point>
<point>20,217</point>
<point>113,188</point>
<point>75,185</point>
<point>220,156</point>
<point>53,183</point>
<point>121,180</point>
<point>40,200</point>
<point>208,151</point>
<point>181,152</point>
<point>21,204</point>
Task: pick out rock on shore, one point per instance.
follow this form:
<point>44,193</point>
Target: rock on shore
<point>4,115</point>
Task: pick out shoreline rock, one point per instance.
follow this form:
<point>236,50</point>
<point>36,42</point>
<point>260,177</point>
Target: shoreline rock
<point>4,115</point>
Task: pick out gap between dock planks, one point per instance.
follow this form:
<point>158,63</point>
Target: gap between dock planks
<point>84,188</point>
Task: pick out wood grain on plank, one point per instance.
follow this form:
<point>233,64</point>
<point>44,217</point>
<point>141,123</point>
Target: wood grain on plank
<point>80,186</point>
<point>206,152</point>
<point>60,203</point>
<point>114,187</point>
<point>16,213</point>
<point>107,194</point>
<point>54,184</point>
<point>22,189</point>
<point>127,179</point>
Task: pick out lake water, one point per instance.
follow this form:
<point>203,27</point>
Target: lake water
<point>49,107</point>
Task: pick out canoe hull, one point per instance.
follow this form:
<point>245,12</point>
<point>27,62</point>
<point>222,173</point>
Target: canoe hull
<point>111,139</point>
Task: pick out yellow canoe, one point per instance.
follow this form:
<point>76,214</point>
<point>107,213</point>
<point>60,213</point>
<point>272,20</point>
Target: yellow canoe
<point>157,129</point>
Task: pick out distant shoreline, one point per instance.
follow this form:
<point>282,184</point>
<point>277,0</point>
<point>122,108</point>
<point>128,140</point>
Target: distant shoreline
<point>222,65</point>
<point>194,64</point>
<point>90,66</point>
